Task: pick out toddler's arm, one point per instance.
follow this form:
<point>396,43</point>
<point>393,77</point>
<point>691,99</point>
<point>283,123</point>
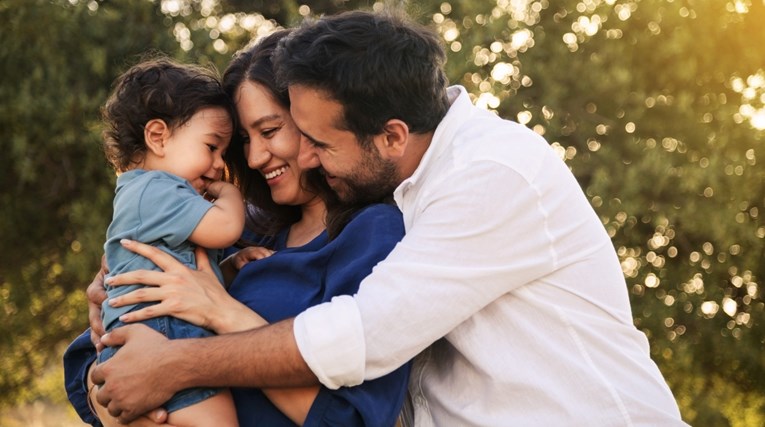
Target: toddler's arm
<point>222,225</point>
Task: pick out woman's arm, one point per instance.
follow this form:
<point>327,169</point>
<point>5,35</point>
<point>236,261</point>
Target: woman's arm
<point>295,403</point>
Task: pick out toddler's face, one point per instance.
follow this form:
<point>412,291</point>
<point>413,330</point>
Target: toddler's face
<point>194,151</point>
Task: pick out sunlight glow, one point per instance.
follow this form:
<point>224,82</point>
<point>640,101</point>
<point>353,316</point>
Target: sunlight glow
<point>487,100</point>
<point>730,307</point>
<point>587,25</point>
<point>739,6</point>
<point>171,7</point>
<point>758,119</point>
<point>451,34</point>
<point>752,90</point>
<point>502,72</point>
<point>695,285</point>
<point>630,266</point>
<point>524,117</point>
<point>709,308</point>
<point>183,36</point>
<point>521,40</point>
<point>652,281</point>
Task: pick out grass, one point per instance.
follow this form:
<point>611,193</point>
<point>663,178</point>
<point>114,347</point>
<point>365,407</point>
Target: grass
<point>40,414</point>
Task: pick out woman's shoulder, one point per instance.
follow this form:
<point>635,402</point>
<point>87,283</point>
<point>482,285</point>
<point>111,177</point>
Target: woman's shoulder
<point>375,220</point>
<point>376,212</point>
<point>371,234</point>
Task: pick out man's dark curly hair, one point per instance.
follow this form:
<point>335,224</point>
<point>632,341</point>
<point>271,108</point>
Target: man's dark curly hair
<point>379,66</point>
<point>158,88</point>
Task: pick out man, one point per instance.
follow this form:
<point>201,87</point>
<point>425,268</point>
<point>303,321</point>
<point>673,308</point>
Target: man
<point>506,283</point>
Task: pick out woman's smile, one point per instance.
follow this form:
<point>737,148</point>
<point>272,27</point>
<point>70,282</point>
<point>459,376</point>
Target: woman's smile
<point>275,173</point>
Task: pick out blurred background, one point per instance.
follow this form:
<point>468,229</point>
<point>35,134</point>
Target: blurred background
<point>658,107</point>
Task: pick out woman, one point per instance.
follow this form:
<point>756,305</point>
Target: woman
<point>310,248</point>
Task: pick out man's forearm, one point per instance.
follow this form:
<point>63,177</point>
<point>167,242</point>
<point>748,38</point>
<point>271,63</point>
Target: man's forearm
<point>263,357</point>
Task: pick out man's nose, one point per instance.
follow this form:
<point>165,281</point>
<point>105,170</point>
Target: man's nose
<point>307,156</point>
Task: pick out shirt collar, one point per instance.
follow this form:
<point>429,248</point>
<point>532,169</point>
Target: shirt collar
<point>458,113</point>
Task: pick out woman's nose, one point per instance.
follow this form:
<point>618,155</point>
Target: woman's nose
<point>308,158</point>
<point>257,155</point>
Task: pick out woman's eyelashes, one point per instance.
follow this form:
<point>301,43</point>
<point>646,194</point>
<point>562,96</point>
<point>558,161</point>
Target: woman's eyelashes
<point>269,133</point>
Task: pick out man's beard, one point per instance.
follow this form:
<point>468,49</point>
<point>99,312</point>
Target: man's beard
<point>372,181</point>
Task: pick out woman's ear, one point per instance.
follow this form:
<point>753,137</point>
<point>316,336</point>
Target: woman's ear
<point>155,133</point>
<point>394,138</point>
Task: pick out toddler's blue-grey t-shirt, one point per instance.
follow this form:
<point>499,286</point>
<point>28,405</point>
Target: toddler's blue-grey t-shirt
<point>157,208</point>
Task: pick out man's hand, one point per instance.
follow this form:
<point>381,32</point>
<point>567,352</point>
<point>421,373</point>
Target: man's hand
<point>155,418</point>
<point>136,380</point>
<point>96,295</point>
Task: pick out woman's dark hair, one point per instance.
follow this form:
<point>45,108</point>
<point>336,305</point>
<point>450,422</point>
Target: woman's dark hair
<point>265,217</point>
<point>379,66</point>
<point>157,88</point>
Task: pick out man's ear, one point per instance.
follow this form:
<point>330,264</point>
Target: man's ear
<point>155,133</point>
<point>393,140</point>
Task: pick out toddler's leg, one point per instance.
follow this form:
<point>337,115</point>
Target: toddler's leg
<point>215,411</point>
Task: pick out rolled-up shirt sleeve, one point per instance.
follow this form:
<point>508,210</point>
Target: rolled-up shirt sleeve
<point>316,331</point>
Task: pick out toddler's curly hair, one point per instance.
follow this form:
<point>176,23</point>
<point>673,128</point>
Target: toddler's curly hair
<point>157,88</point>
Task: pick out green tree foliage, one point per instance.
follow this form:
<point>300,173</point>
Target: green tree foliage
<point>656,105</point>
<point>58,60</point>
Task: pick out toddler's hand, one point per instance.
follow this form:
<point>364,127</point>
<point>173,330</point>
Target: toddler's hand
<point>251,253</point>
<point>215,188</point>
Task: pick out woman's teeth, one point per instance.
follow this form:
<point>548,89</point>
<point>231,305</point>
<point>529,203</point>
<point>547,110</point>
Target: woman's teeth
<point>275,173</point>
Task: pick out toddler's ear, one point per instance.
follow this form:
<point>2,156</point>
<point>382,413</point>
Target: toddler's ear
<point>155,133</point>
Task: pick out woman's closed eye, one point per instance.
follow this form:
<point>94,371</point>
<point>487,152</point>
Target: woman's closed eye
<point>269,133</point>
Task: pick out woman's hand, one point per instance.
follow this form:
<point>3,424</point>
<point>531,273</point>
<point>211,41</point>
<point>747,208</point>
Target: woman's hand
<point>195,296</point>
<point>96,294</point>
